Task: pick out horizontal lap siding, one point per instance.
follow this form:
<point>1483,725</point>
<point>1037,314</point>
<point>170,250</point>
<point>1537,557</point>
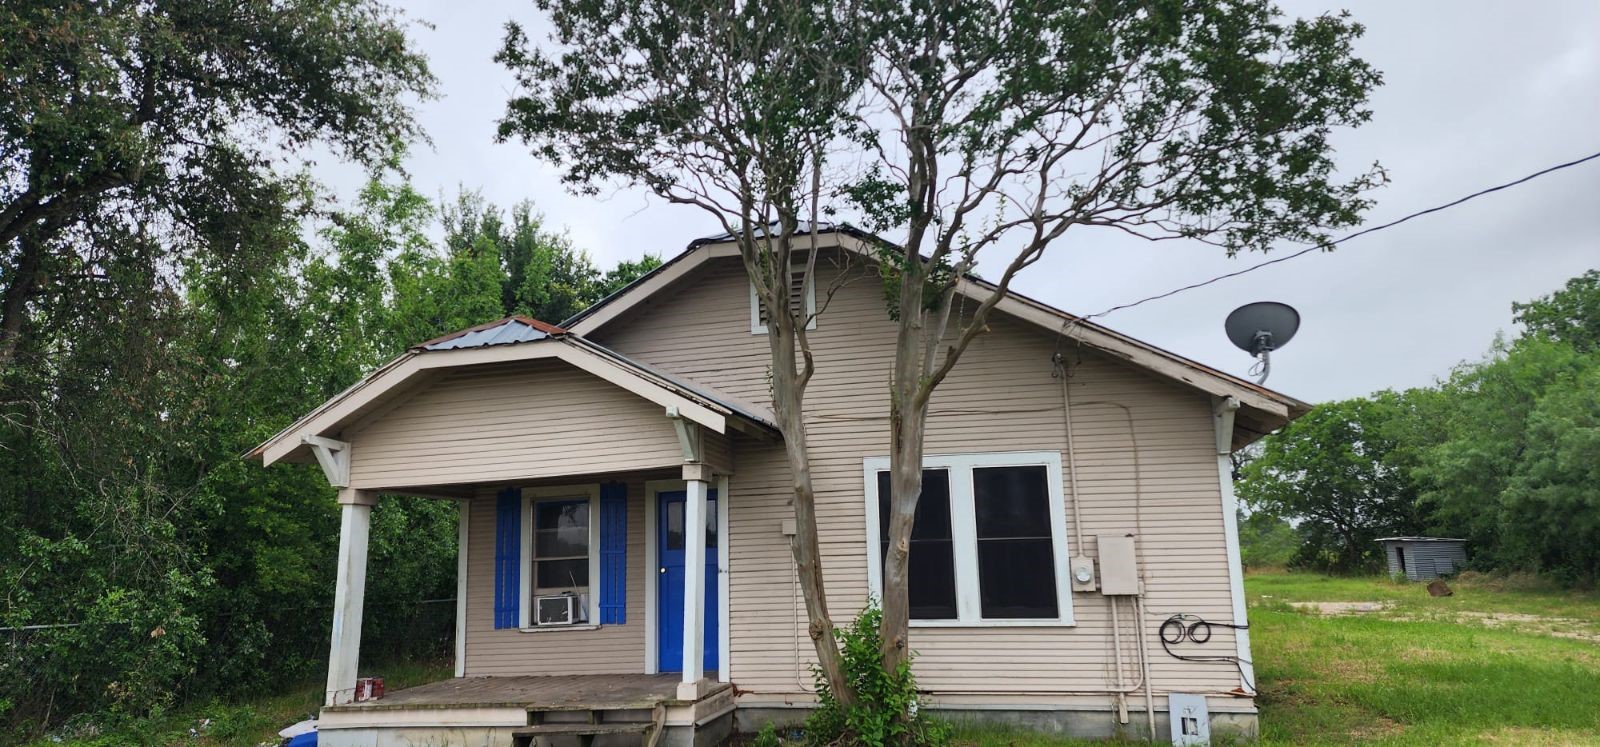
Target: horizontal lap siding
<point>511,421</point>
<point>1001,397</point>
<point>612,649</point>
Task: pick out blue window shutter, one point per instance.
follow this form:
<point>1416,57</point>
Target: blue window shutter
<point>613,553</point>
<point>507,558</point>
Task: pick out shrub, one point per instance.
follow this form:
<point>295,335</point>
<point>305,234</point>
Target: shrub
<point>767,737</point>
<point>887,709</point>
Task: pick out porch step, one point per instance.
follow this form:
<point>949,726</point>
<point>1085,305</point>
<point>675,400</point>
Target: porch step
<point>596,725</point>
<point>556,730</point>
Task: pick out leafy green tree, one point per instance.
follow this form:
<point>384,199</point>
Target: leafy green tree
<point>1571,315</point>
<point>965,126</point>
<point>1334,472</point>
<point>1266,540</point>
<point>626,272</point>
<point>163,119</point>
<point>541,273</point>
<point>1514,471</point>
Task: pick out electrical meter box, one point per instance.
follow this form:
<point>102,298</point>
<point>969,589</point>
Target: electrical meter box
<point>1119,564</point>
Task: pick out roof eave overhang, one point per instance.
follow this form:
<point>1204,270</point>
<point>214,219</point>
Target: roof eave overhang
<point>333,415</point>
<point>1265,410</point>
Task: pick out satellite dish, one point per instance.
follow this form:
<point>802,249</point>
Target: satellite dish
<point>1260,328</point>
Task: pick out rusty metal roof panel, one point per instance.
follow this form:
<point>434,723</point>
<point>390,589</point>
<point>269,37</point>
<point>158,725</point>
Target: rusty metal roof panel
<point>508,331</point>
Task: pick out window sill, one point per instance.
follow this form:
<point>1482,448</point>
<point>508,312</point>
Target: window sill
<point>559,628</point>
<point>1068,623</point>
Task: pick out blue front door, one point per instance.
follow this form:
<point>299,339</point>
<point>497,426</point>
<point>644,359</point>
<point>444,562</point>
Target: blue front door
<point>669,586</point>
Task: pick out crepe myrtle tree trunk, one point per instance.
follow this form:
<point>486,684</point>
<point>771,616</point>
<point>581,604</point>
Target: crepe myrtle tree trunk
<point>768,264</point>
<point>788,391</point>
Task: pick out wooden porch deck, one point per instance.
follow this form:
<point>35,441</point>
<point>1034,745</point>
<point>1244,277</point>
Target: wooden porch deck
<point>543,693</point>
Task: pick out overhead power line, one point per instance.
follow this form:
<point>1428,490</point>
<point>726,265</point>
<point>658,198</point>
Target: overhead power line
<point>1341,240</point>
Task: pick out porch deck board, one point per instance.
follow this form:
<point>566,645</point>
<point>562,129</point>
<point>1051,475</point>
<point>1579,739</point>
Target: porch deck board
<point>541,692</point>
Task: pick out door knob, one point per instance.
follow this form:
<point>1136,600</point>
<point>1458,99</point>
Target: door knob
<point>663,569</point>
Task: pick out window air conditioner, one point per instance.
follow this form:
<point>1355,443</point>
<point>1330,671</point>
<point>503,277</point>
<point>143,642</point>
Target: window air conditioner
<point>561,609</point>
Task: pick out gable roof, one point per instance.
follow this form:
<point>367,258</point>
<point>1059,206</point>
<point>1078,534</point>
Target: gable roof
<point>501,341</point>
<point>1263,410</point>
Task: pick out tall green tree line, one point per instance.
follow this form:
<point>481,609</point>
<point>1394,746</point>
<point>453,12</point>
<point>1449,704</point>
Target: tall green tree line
<point>164,307</point>
<point>128,512</point>
<point>1504,452</point>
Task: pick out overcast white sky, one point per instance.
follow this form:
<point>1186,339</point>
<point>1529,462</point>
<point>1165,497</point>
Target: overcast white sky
<point>1475,94</point>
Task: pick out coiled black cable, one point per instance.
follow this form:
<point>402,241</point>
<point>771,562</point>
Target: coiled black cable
<point>1176,629</point>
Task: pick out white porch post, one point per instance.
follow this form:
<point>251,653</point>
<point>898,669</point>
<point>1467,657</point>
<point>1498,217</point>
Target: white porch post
<point>355,522</point>
<point>694,581</point>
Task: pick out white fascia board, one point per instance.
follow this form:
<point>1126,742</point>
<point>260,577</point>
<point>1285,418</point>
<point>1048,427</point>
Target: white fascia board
<point>684,265</point>
<point>668,275</point>
<point>1141,354</point>
<point>386,379</point>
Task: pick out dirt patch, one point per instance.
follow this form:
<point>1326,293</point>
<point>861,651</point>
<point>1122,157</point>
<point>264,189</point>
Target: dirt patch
<point>1559,627</point>
<point>1381,727</point>
<point>1523,735</point>
<point>1341,608</point>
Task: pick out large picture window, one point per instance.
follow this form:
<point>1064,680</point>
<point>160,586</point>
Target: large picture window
<point>988,542</point>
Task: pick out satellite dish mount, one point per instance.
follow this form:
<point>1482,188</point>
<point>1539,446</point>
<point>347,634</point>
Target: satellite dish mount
<point>1260,328</point>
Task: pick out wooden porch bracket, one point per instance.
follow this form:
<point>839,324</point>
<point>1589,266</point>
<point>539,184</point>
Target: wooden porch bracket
<point>690,437</point>
<point>334,456</point>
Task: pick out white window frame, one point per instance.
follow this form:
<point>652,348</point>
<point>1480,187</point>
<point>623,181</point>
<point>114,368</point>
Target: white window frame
<point>964,534</point>
<point>532,496</point>
<point>757,328</point>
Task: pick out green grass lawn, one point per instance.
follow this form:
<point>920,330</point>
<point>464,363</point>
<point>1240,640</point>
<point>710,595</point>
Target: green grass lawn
<point>242,723</point>
<point>1496,663</point>
<point>1492,664</point>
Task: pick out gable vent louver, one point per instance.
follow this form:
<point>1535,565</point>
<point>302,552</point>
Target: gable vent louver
<point>802,299</point>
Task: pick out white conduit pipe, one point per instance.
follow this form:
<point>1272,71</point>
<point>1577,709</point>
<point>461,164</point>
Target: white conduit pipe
<point>1072,454</point>
<point>1144,665</point>
<point>1116,643</point>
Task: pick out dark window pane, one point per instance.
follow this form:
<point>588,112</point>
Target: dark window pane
<point>933,507</point>
<point>560,529</point>
<point>561,574</point>
<point>1011,501</point>
<point>932,574</point>
<point>1017,579</point>
<point>675,525</point>
<point>1016,563</point>
<point>932,580</point>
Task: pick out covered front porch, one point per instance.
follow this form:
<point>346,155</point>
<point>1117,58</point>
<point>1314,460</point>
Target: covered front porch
<point>591,579</point>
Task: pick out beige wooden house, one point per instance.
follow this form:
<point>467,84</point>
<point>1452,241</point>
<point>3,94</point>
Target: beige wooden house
<point>625,564</point>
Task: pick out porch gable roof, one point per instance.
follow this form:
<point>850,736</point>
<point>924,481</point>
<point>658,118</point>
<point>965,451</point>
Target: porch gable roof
<point>502,341</point>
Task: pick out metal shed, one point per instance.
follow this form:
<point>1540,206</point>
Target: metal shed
<point>1423,558</point>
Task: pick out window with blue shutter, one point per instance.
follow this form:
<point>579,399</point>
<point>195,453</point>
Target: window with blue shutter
<point>613,553</point>
<point>507,558</point>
